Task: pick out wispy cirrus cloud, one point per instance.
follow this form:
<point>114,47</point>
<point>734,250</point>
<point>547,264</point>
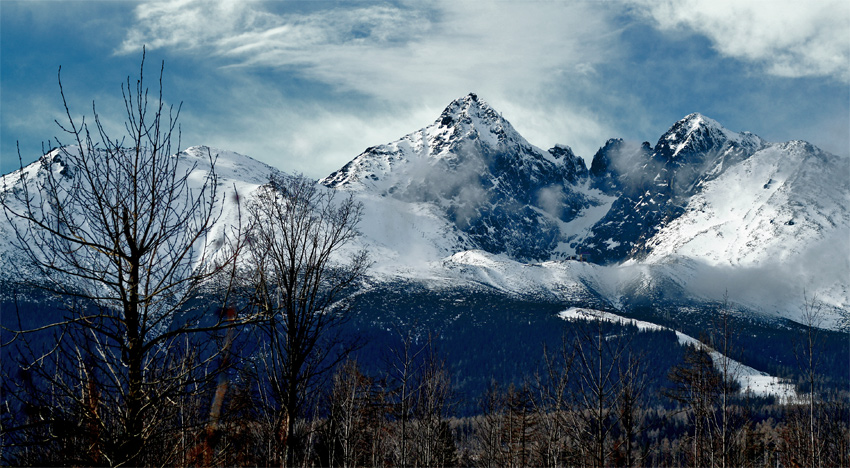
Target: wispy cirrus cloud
<point>416,56</point>
<point>788,38</point>
<point>404,47</point>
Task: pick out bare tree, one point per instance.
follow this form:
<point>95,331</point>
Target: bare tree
<point>553,403</point>
<point>353,405</point>
<point>432,441</point>
<point>631,395</point>
<point>521,427</point>
<point>806,350</point>
<point>729,423</point>
<point>296,234</point>
<point>597,361</point>
<point>489,428</point>
<point>696,384</point>
<point>118,227</point>
<point>404,364</point>
<point>506,430</point>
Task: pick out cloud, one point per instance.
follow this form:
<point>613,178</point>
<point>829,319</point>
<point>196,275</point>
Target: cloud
<point>546,120</point>
<point>559,71</point>
<point>189,24</point>
<point>788,37</point>
<point>551,200</point>
<point>402,48</point>
<point>414,55</point>
<point>313,138</point>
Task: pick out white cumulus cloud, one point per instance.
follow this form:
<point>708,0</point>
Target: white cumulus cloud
<point>788,37</point>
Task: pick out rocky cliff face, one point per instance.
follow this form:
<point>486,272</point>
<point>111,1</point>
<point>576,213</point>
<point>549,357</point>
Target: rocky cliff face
<point>503,195</point>
<point>653,185</point>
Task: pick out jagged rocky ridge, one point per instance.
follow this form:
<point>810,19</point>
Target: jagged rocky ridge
<point>659,216</point>
<point>654,185</point>
<point>504,194</point>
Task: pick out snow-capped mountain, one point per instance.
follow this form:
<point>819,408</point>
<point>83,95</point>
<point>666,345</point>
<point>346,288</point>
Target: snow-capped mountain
<point>705,213</point>
<point>468,209</point>
<point>237,177</point>
<point>653,185</point>
<point>660,218</point>
<point>499,192</point>
<point>766,229</point>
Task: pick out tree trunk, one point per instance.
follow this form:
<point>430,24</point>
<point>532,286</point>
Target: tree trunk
<point>130,455</point>
<point>291,413</point>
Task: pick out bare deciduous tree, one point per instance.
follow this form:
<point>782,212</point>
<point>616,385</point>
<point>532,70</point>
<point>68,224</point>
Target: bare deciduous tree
<point>696,385</point>
<point>729,423</point>
<point>807,353</point>
<point>431,404</point>
<point>489,428</point>
<point>353,406</point>
<point>507,428</point>
<point>120,228</point>
<point>403,366</point>
<point>597,359</point>
<point>553,403</point>
<point>296,230</point>
<point>631,395</point>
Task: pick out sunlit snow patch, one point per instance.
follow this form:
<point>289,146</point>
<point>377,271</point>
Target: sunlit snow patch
<point>756,382</point>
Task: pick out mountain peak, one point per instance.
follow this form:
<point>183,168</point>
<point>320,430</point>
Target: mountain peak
<point>466,103</point>
<point>696,133</point>
<point>467,109</point>
<point>499,192</point>
<point>467,125</point>
<point>698,119</point>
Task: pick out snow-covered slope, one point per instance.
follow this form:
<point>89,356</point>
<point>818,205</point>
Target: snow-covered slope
<point>776,205</point>
<point>652,185</point>
<point>768,230</point>
<point>705,213</point>
<point>237,177</point>
<point>753,381</point>
<point>469,135</point>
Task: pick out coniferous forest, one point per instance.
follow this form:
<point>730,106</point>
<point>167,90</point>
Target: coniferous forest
<point>578,393</point>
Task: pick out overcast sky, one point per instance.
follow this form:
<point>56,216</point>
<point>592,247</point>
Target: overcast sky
<point>306,86</point>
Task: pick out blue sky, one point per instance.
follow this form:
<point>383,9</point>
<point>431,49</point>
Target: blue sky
<point>306,86</point>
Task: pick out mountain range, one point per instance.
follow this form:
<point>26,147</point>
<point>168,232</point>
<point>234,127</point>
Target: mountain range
<point>467,207</point>
<point>704,213</point>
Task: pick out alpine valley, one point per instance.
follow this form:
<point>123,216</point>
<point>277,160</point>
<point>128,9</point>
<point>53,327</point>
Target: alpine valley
<point>482,239</point>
